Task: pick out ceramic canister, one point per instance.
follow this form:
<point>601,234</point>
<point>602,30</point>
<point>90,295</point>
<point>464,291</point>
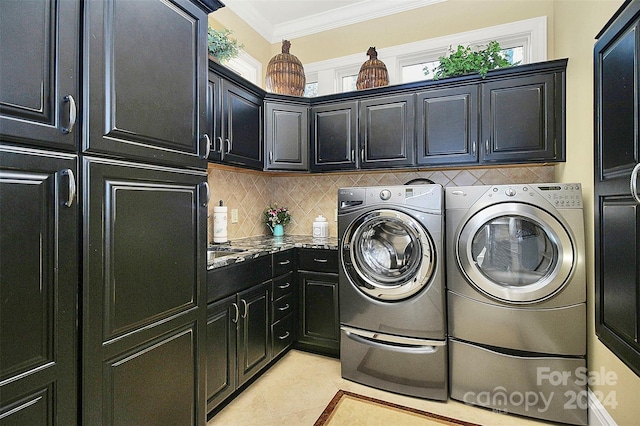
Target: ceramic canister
<point>320,227</point>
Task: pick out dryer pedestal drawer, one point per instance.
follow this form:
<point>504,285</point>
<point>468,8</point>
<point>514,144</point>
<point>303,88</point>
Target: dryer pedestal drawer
<point>414,370</point>
<point>525,329</point>
<point>548,388</point>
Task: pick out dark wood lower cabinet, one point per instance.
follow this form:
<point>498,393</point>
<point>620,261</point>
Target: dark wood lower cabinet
<point>39,285</point>
<point>254,343</point>
<point>144,298</point>
<point>319,323</point>
<point>222,318</point>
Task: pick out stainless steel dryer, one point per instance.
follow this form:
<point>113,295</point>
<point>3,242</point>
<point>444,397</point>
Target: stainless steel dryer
<point>391,289</point>
<point>517,299</point>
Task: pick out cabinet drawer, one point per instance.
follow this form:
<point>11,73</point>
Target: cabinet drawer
<point>282,335</point>
<point>318,260</point>
<point>282,285</point>
<point>282,306</point>
<point>283,262</point>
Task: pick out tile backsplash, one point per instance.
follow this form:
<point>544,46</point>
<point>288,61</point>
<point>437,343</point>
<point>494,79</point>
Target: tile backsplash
<point>309,195</point>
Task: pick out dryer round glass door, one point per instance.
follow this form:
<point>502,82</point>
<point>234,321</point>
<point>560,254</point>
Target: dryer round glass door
<point>388,255</point>
<point>515,252</point>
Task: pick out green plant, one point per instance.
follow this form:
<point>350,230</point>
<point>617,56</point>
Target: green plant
<point>465,60</point>
<point>221,46</point>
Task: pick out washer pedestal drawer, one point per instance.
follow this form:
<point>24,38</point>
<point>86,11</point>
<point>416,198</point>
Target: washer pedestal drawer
<point>415,369</point>
<point>545,387</point>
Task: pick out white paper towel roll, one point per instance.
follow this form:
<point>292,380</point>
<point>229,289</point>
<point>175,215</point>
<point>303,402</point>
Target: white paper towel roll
<point>220,224</point>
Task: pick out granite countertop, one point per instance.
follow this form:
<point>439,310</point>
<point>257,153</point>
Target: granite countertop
<point>263,245</point>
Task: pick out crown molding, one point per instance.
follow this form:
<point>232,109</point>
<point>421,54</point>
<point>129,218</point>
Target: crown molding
<point>361,11</point>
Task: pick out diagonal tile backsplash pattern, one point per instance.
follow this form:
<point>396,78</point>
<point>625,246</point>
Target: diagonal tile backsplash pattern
<point>309,195</point>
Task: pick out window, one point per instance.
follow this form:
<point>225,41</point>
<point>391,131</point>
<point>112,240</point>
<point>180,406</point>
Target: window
<point>247,66</point>
<point>523,41</point>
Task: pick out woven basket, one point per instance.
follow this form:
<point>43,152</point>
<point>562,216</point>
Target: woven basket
<point>373,73</point>
<point>285,73</point>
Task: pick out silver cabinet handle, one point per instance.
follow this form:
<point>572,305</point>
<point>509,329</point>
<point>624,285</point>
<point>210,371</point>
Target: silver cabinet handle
<point>207,196</point>
<point>228,142</point>
<point>284,262</point>
<point>270,157</point>
<point>284,336</point>
<point>633,183</point>
<point>353,155</point>
<point>219,151</point>
<point>282,287</point>
<point>72,186</point>
<point>73,114</point>
<point>246,308</point>
<point>284,308</point>
<point>208,147</point>
<point>320,260</point>
<point>237,315</point>
<point>473,148</point>
<point>486,145</point>
<point>362,155</point>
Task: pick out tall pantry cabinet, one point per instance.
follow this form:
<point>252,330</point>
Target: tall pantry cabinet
<point>138,152</point>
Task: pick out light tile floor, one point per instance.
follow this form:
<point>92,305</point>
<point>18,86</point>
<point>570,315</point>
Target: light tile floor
<point>297,388</point>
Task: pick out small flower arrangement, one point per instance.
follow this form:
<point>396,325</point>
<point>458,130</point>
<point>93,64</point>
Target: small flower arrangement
<point>275,215</point>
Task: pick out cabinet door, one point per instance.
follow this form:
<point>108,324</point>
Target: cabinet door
<point>144,294</point>
<point>617,211</point>
<point>214,116</point>
<point>334,136</point>
<point>39,72</point>
<point>447,126</point>
<point>387,130</point>
<point>519,122</point>
<point>146,89</point>
<point>39,287</point>
<point>222,320</point>
<point>319,321</point>
<point>254,343</point>
<point>242,126</point>
<point>287,136</point>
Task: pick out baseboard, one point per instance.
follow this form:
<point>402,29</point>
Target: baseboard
<point>598,415</point>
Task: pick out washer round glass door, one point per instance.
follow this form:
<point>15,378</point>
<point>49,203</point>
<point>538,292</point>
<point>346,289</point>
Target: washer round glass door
<point>515,252</point>
<point>388,255</point>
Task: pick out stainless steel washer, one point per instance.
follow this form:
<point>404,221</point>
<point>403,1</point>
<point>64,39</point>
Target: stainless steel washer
<point>517,298</point>
<point>391,288</point>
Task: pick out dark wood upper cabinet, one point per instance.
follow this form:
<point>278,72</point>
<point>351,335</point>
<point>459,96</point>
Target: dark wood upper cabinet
<point>447,126</point>
<point>39,216</point>
<point>387,131</point>
<point>39,42</point>
<point>616,166</point>
<point>145,85</point>
<point>286,136</point>
<point>334,136</point>
<point>241,126</point>
<point>522,119</point>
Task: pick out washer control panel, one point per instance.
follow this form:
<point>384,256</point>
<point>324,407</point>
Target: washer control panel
<point>561,195</point>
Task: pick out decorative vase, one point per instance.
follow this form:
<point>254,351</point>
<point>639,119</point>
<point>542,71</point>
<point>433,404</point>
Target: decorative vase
<point>373,73</point>
<point>278,230</point>
<point>285,74</point>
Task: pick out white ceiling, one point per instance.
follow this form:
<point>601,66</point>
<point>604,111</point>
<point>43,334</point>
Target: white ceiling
<point>278,20</point>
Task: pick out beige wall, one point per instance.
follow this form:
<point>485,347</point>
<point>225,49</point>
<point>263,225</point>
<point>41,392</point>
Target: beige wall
<point>572,26</point>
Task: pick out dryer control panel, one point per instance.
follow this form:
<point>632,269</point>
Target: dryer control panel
<point>566,195</point>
